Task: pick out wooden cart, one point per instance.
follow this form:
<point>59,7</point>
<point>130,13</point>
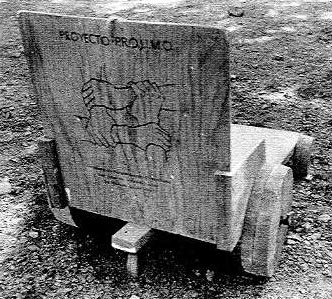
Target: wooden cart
<point>137,127</point>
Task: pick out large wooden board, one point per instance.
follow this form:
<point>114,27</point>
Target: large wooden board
<point>140,114</point>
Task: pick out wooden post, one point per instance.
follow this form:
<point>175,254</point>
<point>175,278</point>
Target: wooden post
<point>131,238</point>
<point>57,194</point>
<point>301,157</point>
<point>52,173</point>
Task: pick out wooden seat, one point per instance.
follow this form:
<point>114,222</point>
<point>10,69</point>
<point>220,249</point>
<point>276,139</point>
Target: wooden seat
<point>137,124</point>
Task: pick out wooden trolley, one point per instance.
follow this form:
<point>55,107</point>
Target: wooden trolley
<point>137,127</point>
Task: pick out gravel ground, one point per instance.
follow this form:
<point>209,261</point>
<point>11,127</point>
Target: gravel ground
<point>281,71</point>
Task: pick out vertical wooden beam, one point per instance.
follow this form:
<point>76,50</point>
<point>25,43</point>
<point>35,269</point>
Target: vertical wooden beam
<point>264,229</point>
<point>301,157</point>
<point>52,173</point>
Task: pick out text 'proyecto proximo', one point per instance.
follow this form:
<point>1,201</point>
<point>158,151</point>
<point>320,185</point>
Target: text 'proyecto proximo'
<point>120,41</point>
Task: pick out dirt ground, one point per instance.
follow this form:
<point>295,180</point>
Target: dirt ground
<point>281,71</point>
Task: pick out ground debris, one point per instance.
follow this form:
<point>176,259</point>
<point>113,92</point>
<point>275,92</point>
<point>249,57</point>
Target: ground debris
<point>5,186</point>
<point>324,218</point>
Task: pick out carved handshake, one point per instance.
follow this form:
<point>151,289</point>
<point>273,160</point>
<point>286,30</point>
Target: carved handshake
<point>127,114</point>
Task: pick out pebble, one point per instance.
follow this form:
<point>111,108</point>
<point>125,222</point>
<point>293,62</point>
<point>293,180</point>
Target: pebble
<point>209,275</point>
<point>134,297</point>
<point>290,242</point>
<point>327,273</point>
<point>294,237</point>
<point>5,186</point>
<point>197,273</point>
<point>316,236</point>
<point>304,267</point>
<point>309,177</point>
<point>33,234</point>
<point>278,58</point>
<point>191,294</point>
<point>236,12</point>
<point>307,226</point>
<point>55,228</point>
<point>324,218</point>
<point>33,247</point>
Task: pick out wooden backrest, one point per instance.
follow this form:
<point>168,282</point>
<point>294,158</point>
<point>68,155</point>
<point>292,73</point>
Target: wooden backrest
<point>140,113</point>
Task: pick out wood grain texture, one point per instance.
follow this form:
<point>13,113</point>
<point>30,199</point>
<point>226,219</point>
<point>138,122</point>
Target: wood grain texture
<point>52,173</point>
<point>140,113</point>
<point>263,236</point>
<point>234,188</point>
<point>280,144</point>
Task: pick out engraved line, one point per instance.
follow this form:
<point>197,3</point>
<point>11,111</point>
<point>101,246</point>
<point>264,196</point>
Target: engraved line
<point>132,180</point>
<point>129,174</point>
<point>127,186</point>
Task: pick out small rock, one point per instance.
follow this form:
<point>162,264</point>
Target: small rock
<point>302,291</point>
<point>5,186</point>
<point>308,177</point>
<point>197,273</point>
<point>209,275</point>
<point>63,291</point>
<point>315,236</point>
<point>290,242</point>
<point>324,218</point>
<point>33,234</point>
<point>233,77</point>
<point>278,58</point>
<point>294,237</point>
<point>327,273</point>
<point>191,294</point>
<point>307,226</point>
<point>236,12</point>
<point>306,242</point>
<point>304,267</point>
<point>33,247</point>
<point>55,228</point>
<point>134,297</point>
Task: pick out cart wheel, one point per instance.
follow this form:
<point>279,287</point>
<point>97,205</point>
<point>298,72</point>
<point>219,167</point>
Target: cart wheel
<point>266,220</point>
<point>301,157</point>
<point>132,264</point>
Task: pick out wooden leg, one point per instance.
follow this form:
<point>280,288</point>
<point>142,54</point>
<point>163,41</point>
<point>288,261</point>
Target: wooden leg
<point>58,195</point>
<point>131,238</point>
<point>265,225</point>
<point>301,157</point>
<point>132,264</point>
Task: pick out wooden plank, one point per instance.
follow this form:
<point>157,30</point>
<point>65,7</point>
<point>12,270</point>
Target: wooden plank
<point>248,157</point>
<point>263,234</point>
<point>140,112</point>
<point>131,238</point>
<point>280,144</point>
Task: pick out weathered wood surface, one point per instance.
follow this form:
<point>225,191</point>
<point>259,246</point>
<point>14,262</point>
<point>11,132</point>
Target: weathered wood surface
<point>301,157</point>
<point>234,188</point>
<point>131,238</point>
<point>280,144</point>
<point>263,233</point>
<point>140,114</point>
